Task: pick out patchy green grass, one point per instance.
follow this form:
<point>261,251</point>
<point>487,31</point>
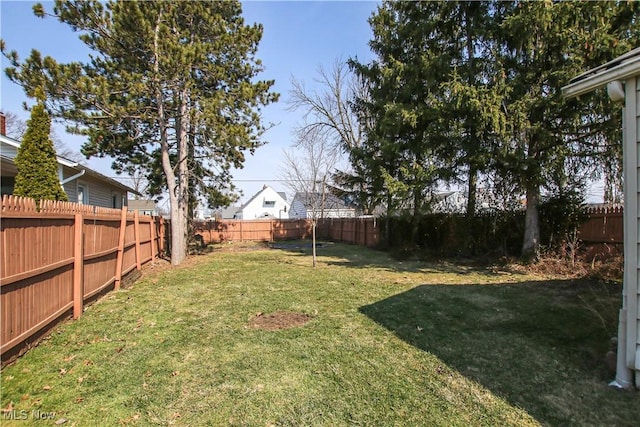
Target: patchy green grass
<point>389,343</point>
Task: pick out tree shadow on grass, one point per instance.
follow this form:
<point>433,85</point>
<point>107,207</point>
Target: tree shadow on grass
<point>538,345</point>
<point>354,256</point>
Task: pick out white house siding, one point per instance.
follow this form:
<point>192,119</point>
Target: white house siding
<point>258,207</point>
<point>633,332</point>
<point>631,143</point>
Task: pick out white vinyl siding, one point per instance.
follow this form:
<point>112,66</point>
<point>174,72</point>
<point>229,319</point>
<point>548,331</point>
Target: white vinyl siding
<point>633,332</point>
<point>267,203</point>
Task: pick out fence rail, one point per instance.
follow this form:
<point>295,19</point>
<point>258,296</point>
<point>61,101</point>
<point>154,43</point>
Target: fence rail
<point>57,255</point>
<point>360,231</point>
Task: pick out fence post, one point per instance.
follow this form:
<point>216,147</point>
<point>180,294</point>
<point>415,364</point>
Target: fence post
<point>78,266</point>
<point>136,222</point>
<point>271,234</point>
<point>152,236</point>
<point>161,244</point>
<point>364,232</point>
<point>120,258</point>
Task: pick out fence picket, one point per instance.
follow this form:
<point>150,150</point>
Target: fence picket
<point>71,267</point>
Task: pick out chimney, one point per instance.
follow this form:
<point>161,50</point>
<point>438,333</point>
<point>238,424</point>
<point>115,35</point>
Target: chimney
<point>3,124</point>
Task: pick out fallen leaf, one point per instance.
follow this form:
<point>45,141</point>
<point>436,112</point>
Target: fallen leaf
<point>79,399</point>
<point>47,388</point>
<point>175,373</point>
<point>63,371</point>
<point>61,421</point>
<point>9,407</point>
<point>24,397</point>
<point>70,358</point>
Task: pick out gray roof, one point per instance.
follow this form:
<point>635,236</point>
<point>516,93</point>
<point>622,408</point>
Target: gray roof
<point>330,200</point>
<point>229,212</point>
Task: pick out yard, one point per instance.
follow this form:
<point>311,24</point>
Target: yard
<point>373,342</point>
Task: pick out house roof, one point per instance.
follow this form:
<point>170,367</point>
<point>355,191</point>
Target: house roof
<point>229,212</point>
<point>72,165</point>
<point>621,68</point>
<point>255,196</point>
<point>330,200</point>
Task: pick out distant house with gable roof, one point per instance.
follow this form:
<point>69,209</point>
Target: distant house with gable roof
<point>266,203</point>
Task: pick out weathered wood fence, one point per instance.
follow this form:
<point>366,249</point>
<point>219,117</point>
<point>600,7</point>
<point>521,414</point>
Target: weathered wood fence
<point>55,258</point>
<point>605,225</point>
<point>359,231</point>
<point>252,231</point>
<point>356,231</point>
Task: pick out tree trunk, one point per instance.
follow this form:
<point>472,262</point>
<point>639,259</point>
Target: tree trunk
<point>471,194</point>
<point>471,209</point>
<point>313,240</point>
<point>417,208</point>
<point>531,242</point>
<point>178,232</point>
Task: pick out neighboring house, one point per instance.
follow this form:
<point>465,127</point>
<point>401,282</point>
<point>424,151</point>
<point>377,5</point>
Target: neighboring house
<point>203,213</point>
<point>144,207</point>
<point>82,185</point>
<point>266,203</point>
<point>310,205</point>
<point>622,79</point>
<point>230,212</point>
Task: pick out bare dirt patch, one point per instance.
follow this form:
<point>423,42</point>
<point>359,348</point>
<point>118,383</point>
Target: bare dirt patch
<point>278,320</point>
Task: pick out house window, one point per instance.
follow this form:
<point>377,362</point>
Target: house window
<point>269,203</point>
<point>117,200</point>
<point>83,198</point>
<point>8,183</point>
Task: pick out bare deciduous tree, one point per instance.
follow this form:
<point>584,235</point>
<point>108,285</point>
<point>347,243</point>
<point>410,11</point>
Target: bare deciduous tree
<point>327,110</point>
<point>307,169</point>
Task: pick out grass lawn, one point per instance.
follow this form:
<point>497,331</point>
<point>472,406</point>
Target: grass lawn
<point>387,343</point>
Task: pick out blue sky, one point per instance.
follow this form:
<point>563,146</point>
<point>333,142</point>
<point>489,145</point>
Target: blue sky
<point>298,38</point>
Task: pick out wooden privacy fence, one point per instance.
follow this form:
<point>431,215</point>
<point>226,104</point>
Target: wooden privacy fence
<point>359,231</point>
<point>605,225</point>
<point>252,231</point>
<point>56,258</point>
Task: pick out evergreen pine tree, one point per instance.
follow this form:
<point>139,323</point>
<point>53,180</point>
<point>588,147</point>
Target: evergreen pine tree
<point>36,160</point>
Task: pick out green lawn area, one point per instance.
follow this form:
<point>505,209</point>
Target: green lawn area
<point>388,343</point>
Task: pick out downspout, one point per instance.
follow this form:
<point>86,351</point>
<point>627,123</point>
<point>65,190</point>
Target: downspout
<point>73,177</point>
<point>624,376</point>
